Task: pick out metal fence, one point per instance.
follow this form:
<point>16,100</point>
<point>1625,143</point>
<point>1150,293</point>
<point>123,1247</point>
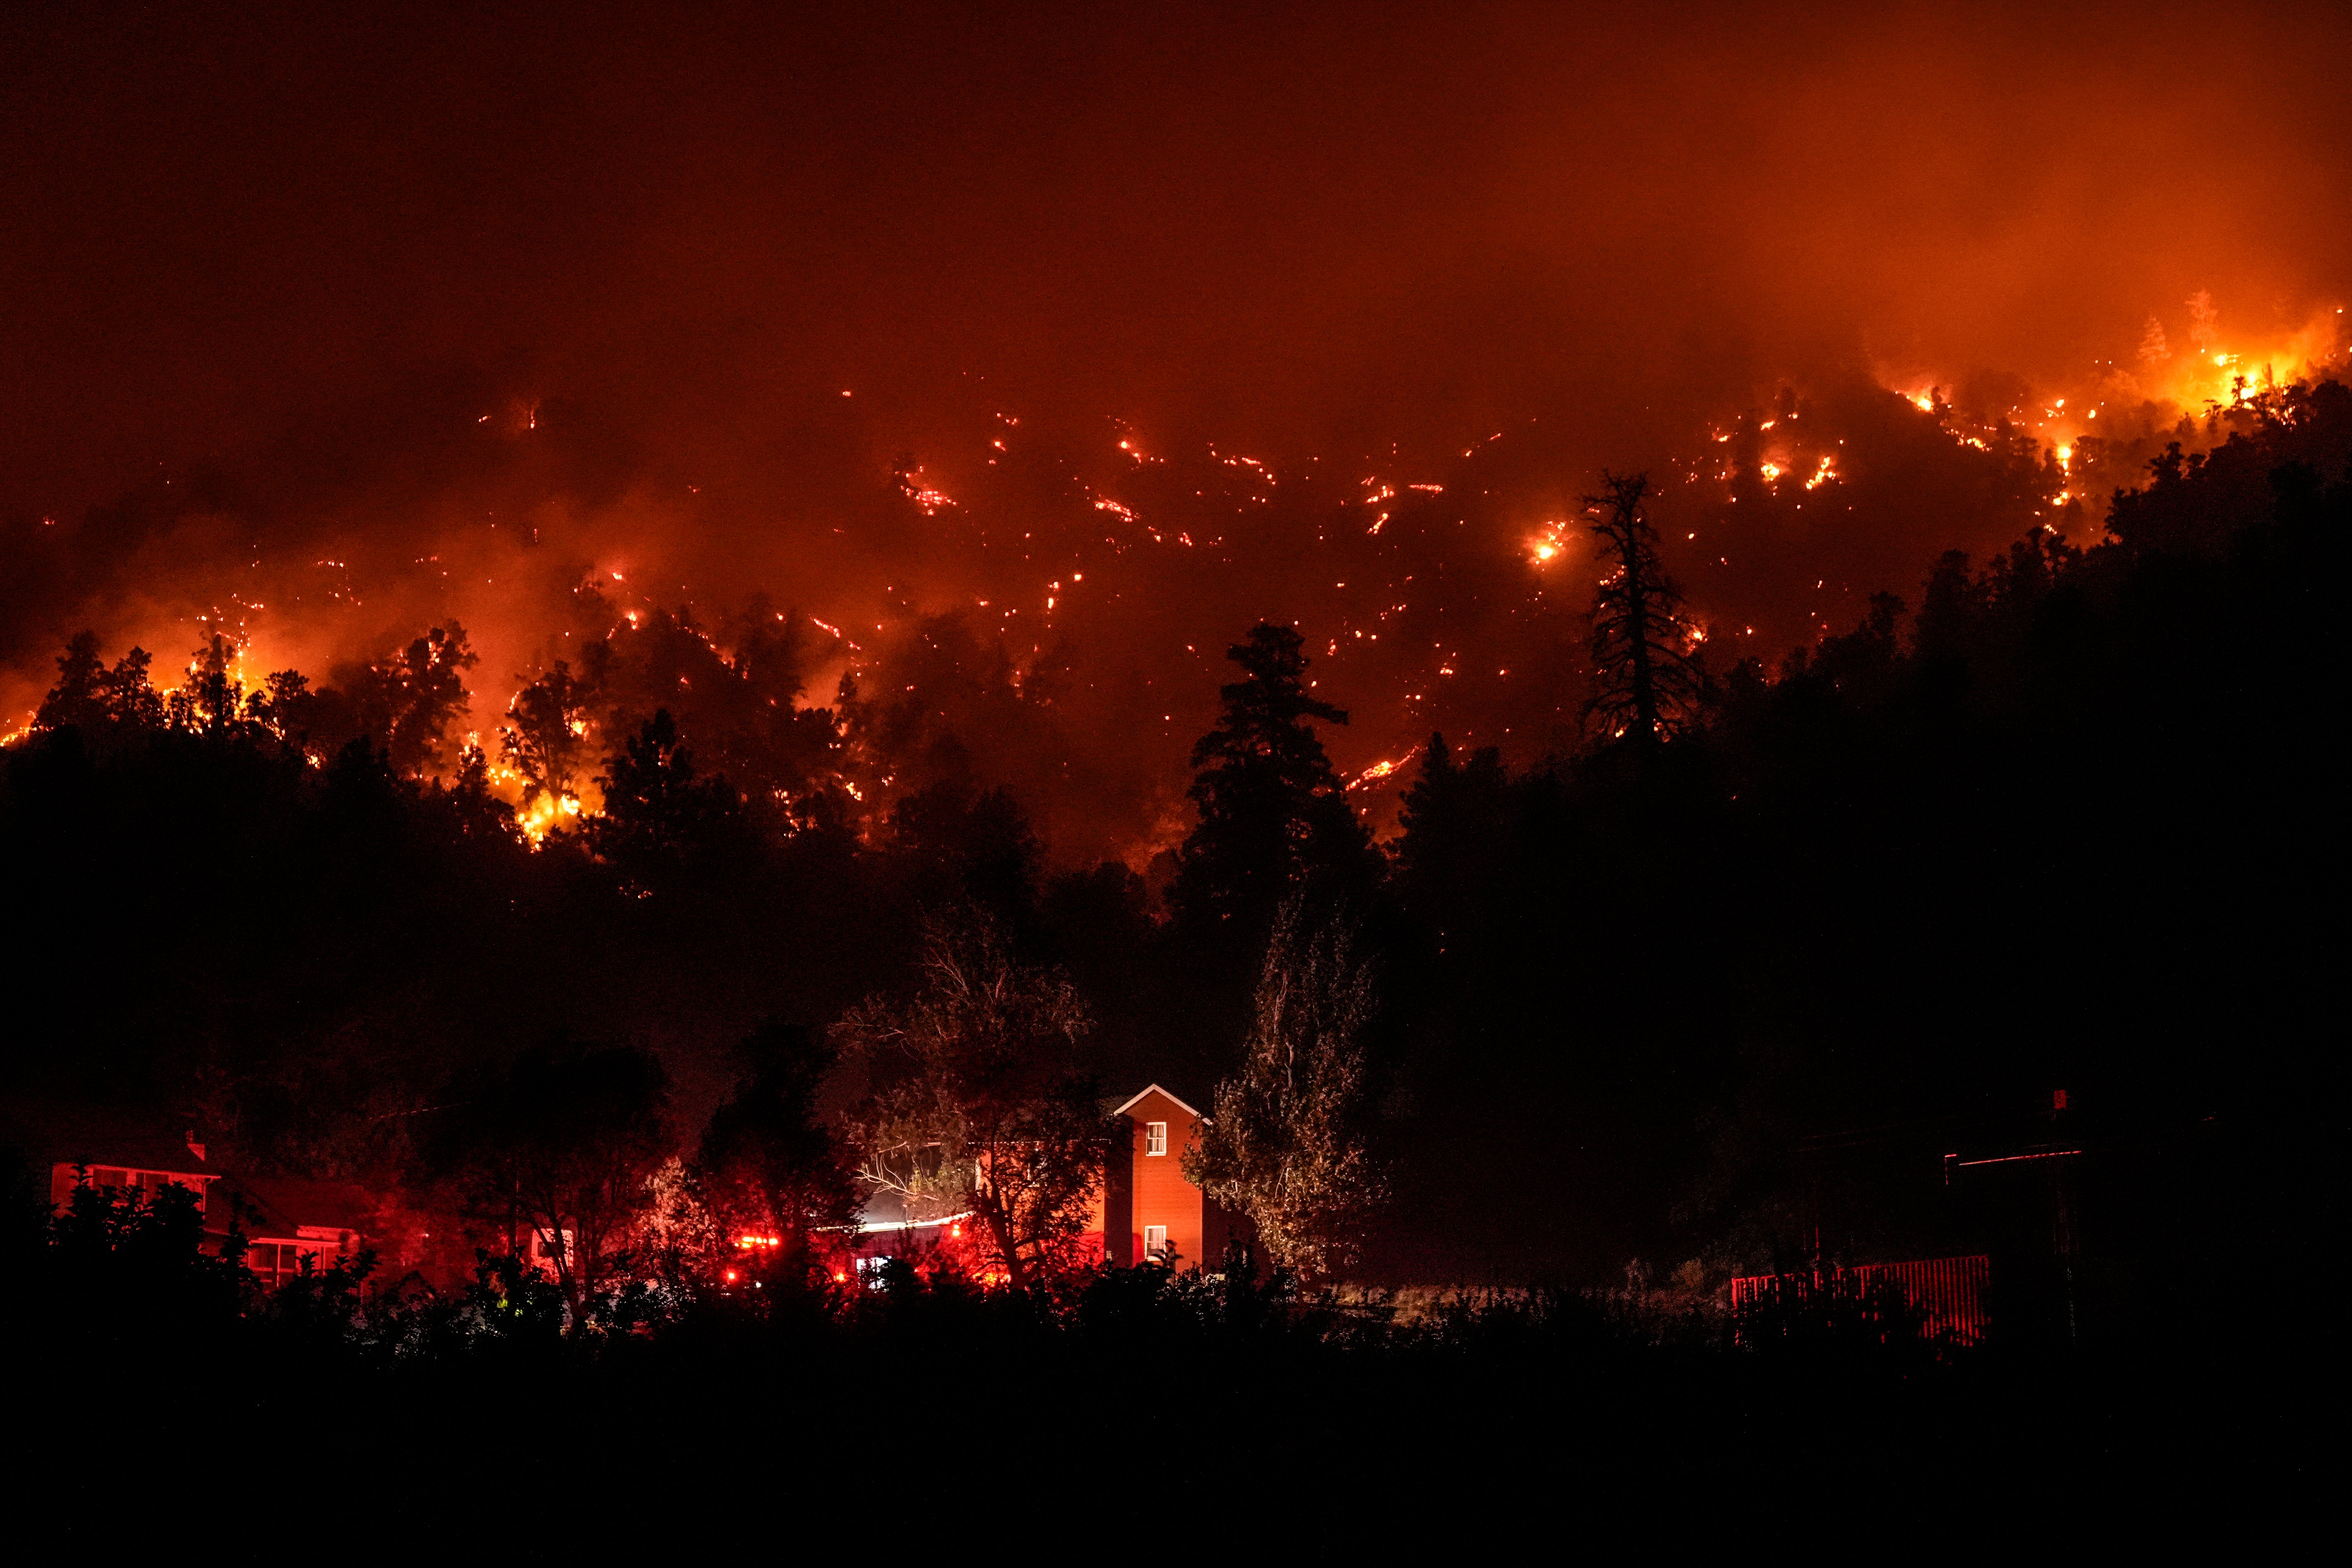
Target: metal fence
<point>1946,1292</point>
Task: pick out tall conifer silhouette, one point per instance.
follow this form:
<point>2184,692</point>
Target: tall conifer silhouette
<point>1275,818</point>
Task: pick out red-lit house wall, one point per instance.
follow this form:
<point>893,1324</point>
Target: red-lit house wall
<point>1110,1223</point>
<point>64,1177</point>
<point>1158,1193</point>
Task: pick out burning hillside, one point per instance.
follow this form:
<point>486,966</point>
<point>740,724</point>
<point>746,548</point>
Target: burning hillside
<point>945,413</point>
<point>1055,624</point>
<point>1551,609</point>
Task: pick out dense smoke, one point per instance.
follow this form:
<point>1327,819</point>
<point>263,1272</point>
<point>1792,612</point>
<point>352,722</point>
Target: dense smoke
<point>1010,367</point>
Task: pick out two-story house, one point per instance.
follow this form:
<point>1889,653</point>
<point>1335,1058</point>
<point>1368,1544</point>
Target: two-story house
<point>1149,1212</point>
<point>283,1220</point>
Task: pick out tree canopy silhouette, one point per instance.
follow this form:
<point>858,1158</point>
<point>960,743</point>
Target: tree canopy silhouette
<point>544,735</point>
<point>100,702</point>
<point>659,814</point>
<point>768,1166</point>
<point>983,1101</point>
<point>559,1150</point>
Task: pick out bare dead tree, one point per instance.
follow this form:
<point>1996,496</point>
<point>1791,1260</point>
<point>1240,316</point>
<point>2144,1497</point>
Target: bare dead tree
<point>1646,677</point>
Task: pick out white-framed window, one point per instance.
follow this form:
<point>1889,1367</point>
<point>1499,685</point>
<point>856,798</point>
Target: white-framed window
<point>1155,1240</point>
<point>275,1262</point>
<point>1155,1137</point>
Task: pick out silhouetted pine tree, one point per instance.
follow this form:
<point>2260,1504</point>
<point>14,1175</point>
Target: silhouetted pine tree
<point>1276,825</point>
<point>1275,818</point>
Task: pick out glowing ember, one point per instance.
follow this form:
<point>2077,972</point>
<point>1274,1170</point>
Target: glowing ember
<point>928,498</point>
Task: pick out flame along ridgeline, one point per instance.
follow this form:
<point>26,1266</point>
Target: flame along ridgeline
<point>1430,600</point>
<point>2171,377</point>
<point>2059,449</point>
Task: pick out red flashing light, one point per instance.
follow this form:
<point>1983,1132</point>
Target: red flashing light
<point>2058,1101</point>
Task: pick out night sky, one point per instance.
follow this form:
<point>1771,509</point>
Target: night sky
<point>1093,337</point>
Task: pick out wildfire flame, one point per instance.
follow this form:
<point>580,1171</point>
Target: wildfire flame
<point>545,814</point>
<point>2221,371</point>
<point>1381,770</point>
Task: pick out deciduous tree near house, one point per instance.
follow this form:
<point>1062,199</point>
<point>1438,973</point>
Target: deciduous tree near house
<point>1287,1143</point>
<point>768,1166</point>
<point>983,1101</point>
<point>129,1261</point>
<point>560,1151</point>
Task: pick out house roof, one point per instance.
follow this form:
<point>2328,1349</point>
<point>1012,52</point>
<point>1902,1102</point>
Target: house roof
<point>54,1132</point>
<point>51,1132</point>
<point>282,1205</point>
<point>1124,1106</point>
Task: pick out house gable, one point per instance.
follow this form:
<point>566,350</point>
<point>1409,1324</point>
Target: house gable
<point>1148,1091</point>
